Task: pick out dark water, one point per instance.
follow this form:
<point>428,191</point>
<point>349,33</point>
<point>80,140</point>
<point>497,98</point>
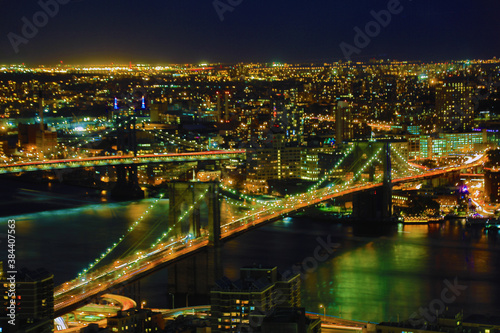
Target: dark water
<point>373,279</point>
<point>377,279</point>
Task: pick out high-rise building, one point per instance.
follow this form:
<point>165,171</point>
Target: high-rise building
<point>309,168</point>
<point>344,129</point>
<point>226,106</point>
<point>492,185</point>
<point>275,161</point>
<point>219,111</point>
<point>157,111</point>
<point>294,123</point>
<point>454,107</point>
<point>33,297</point>
<point>258,291</point>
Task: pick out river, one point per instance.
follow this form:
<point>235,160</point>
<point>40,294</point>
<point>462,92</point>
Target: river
<point>366,278</point>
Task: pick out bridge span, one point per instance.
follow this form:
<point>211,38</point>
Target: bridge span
<point>175,244</point>
<point>101,161</point>
<point>76,293</point>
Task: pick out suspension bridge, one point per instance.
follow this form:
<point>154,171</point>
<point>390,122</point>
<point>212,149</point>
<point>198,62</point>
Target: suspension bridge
<point>363,167</point>
<point>101,161</point>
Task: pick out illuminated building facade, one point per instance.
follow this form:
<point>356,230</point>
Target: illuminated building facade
<point>31,138</point>
<point>276,162</point>
<point>4,146</point>
<point>309,166</point>
<point>492,186</point>
<point>454,106</point>
<point>34,300</point>
<point>257,292</point>
<point>344,129</point>
<point>281,163</point>
<point>293,123</point>
<point>492,177</point>
<point>424,146</point>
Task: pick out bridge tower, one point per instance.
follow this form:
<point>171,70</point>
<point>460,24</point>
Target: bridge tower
<point>190,280</point>
<point>372,209</point>
<point>387,186</point>
<point>183,196</point>
<point>127,182</point>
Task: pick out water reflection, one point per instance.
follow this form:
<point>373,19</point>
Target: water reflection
<point>396,275</point>
<point>364,279</point>
<point>66,241</point>
<point>373,279</point>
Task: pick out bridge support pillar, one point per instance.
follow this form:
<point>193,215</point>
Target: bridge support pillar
<point>372,209</point>
<point>173,210</point>
<point>188,197</point>
<point>190,280</point>
<point>214,233</point>
<point>194,223</point>
<point>387,187</point>
<point>127,183</point>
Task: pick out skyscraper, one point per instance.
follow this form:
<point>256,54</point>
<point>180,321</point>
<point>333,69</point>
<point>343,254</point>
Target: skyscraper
<point>344,129</point>
<point>226,106</point>
<point>219,111</point>
<point>454,107</point>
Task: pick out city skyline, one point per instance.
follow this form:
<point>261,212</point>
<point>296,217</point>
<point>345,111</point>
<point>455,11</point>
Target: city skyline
<point>248,172</point>
<point>206,65</point>
<point>231,31</point>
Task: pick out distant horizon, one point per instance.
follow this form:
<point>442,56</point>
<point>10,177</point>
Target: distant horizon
<point>209,63</point>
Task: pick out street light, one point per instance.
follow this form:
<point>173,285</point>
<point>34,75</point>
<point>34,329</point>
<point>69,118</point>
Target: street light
<point>324,312</point>
<point>142,304</point>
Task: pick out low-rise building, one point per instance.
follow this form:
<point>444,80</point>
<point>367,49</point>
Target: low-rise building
<point>136,320</point>
<point>287,320</point>
<point>245,302</point>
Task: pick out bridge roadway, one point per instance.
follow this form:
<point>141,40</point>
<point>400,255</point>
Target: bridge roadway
<point>118,160</point>
<point>74,294</point>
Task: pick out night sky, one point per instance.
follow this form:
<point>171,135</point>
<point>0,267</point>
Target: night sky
<point>190,31</point>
